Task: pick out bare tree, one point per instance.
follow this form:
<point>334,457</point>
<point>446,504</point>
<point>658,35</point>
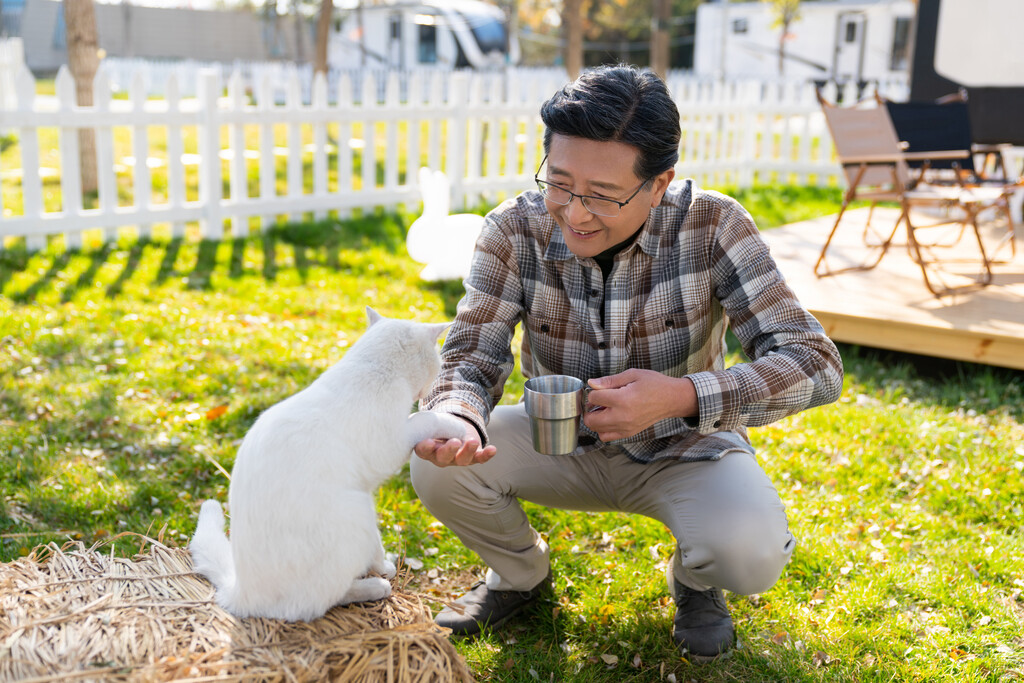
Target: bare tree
<point>785,13</point>
<point>83,61</point>
<point>572,24</point>
<point>300,29</point>
<point>662,14</point>
<point>323,33</point>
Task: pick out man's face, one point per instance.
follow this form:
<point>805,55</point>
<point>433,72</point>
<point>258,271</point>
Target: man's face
<point>600,169</point>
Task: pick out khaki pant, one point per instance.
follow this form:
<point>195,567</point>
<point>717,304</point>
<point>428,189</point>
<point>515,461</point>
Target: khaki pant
<point>727,519</point>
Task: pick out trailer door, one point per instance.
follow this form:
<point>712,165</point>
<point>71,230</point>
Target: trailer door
<point>848,61</point>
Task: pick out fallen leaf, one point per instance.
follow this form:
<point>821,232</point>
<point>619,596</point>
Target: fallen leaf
<point>214,413</point>
<point>610,660</point>
<point>821,659</point>
<point>780,637</point>
<point>637,661</point>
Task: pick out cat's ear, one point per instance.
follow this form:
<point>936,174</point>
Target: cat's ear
<point>373,316</point>
<point>438,329</point>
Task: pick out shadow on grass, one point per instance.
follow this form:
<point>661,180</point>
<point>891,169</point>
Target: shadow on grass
<point>166,268</point>
<point>130,266</point>
<point>29,293</point>
<point>948,383</point>
<point>11,261</point>
<point>318,243</point>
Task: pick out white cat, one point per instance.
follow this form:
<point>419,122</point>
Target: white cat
<point>303,521</point>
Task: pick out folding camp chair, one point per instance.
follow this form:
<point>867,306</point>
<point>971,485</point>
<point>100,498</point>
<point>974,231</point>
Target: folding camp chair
<point>876,169</point>
<point>945,125</point>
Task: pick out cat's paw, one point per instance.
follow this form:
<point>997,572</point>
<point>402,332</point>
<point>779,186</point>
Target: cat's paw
<point>387,569</point>
<point>449,427</point>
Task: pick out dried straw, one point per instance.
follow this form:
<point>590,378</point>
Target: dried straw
<point>76,614</point>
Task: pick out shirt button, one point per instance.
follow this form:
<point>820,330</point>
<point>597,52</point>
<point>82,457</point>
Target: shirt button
<point>718,423</point>
<point>545,328</point>
<point>602,345</point>
<point>670,323</point>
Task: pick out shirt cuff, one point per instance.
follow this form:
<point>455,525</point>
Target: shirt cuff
<point>718,401</point>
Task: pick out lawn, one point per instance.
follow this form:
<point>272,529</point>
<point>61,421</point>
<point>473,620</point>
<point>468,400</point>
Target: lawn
<point>129,374</point>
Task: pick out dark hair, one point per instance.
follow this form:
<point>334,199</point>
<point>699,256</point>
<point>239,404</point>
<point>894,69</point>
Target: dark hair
<point>621,104</point>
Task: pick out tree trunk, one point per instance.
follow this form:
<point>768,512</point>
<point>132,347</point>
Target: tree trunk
<point>323,33</point>
<point>300,30</point>
<point>83,61</point>
<point>662,13</point>
<point>572,25</point>
<point>782,48</point>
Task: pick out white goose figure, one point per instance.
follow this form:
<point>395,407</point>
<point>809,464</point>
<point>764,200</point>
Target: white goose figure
<point>443,242</point>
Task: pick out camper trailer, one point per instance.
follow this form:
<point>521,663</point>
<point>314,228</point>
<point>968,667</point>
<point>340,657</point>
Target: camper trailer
<point>842,40</point>
<point>447,34</point>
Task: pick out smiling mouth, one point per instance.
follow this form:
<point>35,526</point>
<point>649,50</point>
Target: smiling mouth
<point>581,233</point>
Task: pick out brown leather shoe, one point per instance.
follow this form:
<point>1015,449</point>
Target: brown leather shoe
<point>482,607</point>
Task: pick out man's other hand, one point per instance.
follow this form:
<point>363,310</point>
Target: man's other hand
<point>620,406</point>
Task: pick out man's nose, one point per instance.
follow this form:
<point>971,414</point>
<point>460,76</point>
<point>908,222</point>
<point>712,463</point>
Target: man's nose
<point>575,212</point>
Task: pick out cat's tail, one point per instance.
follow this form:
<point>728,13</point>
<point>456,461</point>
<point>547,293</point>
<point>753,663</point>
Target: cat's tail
<point>211,549</point>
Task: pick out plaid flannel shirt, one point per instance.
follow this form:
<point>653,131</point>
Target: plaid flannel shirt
<point>697,265</point>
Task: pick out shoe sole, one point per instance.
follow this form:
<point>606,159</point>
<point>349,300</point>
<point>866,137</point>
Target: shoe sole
<point>708,659</point>
<point>489,626</point>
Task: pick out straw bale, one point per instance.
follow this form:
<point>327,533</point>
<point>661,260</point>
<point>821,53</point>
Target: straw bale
<point>75,614</point>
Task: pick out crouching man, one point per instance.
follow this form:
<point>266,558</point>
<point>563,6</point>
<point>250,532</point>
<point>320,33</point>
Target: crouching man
<point>626,278</point>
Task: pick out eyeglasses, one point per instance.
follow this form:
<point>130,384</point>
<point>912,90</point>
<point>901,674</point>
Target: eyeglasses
<point>599,206</point>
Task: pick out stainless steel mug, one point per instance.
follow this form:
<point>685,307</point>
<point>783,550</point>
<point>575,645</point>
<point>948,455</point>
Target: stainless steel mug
<point>555,404</point>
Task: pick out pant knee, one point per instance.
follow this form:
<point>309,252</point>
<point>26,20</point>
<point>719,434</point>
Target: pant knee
<point>433,484</point>
<point>744,559</point>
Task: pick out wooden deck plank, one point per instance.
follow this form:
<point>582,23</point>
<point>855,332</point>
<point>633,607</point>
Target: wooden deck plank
<point>890,307</point>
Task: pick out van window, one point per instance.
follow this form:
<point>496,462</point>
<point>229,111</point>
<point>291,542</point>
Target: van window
<point>427,44</point>
<point>899,58</point>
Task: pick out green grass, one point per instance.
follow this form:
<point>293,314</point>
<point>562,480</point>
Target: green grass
<point>129,373</point>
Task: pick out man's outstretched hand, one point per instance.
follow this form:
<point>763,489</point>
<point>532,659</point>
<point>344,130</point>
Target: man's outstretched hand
<point>459,452</point>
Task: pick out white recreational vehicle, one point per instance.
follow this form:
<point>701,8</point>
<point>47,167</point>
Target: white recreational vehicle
<point>450,34</point>
<point>842,40</point>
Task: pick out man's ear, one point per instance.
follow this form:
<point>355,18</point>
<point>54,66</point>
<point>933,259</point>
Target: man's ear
<point>373,316</point>
<point>659,184</point>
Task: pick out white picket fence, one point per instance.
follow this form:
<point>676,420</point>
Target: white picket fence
<point>357,150</point>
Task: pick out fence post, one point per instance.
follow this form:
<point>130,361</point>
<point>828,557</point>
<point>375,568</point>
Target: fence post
<point>268,169</point>
<point>142,184</point>
<point>319,104</point>
<point>70,173</point>
<point>28,137</point>
<point>175,151</point>
<point>294,107</point>
<point>211,225</point>
<point>238,182</point>
<point>456,130</point>
<point>748,124</point>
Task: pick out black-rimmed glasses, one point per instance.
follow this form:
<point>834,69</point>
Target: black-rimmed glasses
<point>599,206</point>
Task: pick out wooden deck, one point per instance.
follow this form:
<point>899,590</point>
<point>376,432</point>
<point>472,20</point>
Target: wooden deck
<point>890,307</point>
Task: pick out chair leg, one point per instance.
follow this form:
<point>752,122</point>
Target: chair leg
<point>985,277</point>
<point>1010,236</point>
<point>820,267</point>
